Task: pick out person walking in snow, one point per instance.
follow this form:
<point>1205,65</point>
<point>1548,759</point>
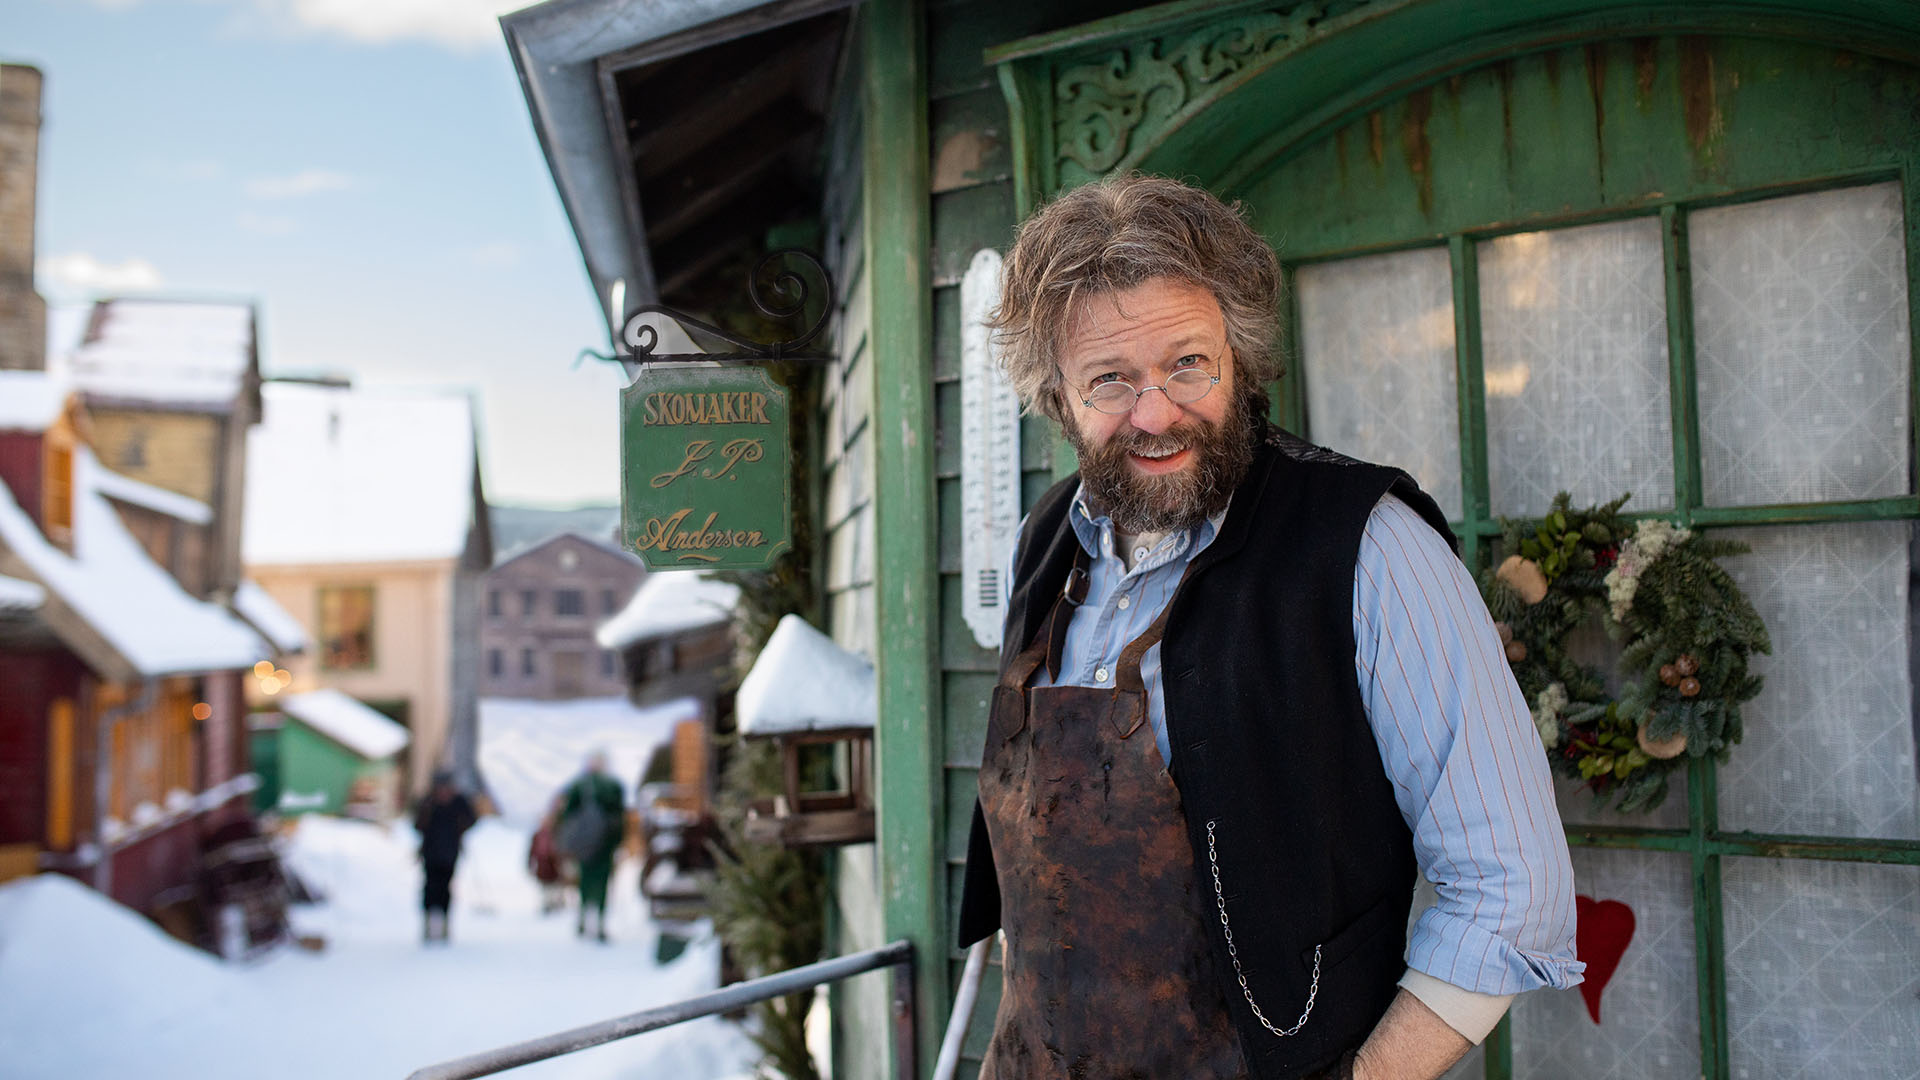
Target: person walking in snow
<point>593,821</point>
<point>442,819</point>
<point>543,861</point>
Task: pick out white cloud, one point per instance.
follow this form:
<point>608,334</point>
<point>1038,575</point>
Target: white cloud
<point>80,272</point>
<point>300,184</point>
<point>456,24</point>
<point>265,224</point>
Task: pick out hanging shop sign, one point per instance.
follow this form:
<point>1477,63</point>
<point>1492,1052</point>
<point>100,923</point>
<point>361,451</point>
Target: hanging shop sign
<point>705,466</point>
<point>705,477</point>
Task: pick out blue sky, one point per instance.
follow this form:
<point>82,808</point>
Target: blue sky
<point>363,169</point>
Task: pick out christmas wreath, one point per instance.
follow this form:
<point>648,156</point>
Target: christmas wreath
<point>1685,628</point>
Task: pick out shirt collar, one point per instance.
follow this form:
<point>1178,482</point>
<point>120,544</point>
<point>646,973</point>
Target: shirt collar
<point>1095,533</point>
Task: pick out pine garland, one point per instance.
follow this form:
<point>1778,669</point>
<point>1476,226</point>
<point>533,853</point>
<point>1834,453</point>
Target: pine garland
<point>1686,629</point>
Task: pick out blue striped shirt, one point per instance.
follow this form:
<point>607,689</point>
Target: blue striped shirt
<point>1453,730</point>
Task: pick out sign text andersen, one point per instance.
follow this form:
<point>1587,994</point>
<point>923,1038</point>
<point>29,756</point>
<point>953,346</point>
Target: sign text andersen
<point>704,477</point>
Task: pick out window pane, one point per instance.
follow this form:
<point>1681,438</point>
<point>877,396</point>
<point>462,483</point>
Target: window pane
<point>1574,346</point>
<point>346,626</point>
<point>1830,742</point>
<point>1649,1023</point>
<point>1800,343</point>
<point>1823,966</point>
<point>1376,338</point>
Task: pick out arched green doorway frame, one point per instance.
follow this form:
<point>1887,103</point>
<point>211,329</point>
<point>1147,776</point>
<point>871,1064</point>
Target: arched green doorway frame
<point>1238,97</point>
<point>1219,93</point>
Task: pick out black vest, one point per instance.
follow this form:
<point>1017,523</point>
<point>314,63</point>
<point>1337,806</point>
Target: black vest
<point>1270,747</point>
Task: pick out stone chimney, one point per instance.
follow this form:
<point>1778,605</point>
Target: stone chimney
<point>23,315</point>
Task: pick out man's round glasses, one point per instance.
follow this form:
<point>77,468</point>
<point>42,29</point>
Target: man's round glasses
<point>1183,387</point>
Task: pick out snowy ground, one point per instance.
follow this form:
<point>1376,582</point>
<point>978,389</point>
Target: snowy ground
<point>94,991</point>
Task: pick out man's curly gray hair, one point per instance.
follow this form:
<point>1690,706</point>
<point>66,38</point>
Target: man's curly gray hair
<point>1113,235</point>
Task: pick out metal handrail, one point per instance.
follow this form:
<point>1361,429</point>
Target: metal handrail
<point>898,955</point>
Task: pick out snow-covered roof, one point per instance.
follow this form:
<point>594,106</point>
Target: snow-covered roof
<point>339,475</point>
<point>284,632</point>
<point>110,582</point>
<point>348,722</point>
<point>17,595</point>
<point>165,351</point>
<point>669,603</point>
<point>158,499</point>
<point>805,681</point>
<point>30,400</point>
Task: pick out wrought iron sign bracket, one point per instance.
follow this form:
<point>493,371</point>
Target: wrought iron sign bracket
<point>641,338</point>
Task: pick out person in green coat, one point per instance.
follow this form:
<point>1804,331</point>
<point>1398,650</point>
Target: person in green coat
<point>593,821</point>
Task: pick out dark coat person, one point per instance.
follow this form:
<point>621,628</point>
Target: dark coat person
<point>442,820</point>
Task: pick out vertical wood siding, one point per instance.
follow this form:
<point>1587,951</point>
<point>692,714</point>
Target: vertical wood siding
<point>972,207</point>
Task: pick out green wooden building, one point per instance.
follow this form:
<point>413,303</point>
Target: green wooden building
<point>1529,246</point>
<point>326,753</point>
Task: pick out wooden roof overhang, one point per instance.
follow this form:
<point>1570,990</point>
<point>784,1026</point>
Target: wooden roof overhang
<point>705,136</point>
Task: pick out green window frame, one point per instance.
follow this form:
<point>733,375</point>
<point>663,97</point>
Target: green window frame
<point>1703,840</point>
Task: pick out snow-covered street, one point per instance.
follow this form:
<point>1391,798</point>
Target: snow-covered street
<point>92,990</point>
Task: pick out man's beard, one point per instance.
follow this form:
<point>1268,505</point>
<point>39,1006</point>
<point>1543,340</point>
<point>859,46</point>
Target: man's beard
<point>1139,502</point>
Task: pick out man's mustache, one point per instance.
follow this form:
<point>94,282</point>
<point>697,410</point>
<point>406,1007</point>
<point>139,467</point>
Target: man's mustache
<point>1158,444</point>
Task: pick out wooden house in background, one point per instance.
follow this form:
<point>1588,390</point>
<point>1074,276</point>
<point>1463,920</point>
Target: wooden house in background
<point>122,757</point>
<point>324,752</point>
<point>542,605</point>
<point>171,389</point>
<point>367,522</point>
<point>1598,245</point>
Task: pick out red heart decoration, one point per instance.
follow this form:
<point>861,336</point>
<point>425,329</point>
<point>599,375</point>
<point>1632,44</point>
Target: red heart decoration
<point>1605,928</point>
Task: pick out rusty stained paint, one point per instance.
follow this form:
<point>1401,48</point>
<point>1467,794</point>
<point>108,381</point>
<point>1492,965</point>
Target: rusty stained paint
<point>1596,62</point>
<point>961,159</point>
<point>1377,138</point>
<point>1646,65</point>
<point>1417,147</point>
<point>1699,102</point>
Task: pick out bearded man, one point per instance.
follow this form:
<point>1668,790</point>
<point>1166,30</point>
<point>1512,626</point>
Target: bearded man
<point>1247,692</point>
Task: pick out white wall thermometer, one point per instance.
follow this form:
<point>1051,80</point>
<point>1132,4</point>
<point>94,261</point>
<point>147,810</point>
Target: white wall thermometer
<point>989,454</point>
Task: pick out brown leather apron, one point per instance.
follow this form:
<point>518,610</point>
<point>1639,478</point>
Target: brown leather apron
<point>1108,969</point>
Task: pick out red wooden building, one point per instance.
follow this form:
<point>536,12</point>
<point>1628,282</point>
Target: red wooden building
<point>122,757</point>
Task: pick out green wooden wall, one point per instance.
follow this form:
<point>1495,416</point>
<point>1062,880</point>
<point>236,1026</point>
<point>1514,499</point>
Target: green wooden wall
<point>844,442</point>
<point>310,762</point>
<point>971,206</point>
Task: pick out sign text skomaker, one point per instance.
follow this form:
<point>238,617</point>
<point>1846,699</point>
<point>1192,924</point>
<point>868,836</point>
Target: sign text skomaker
<point>704,477</point>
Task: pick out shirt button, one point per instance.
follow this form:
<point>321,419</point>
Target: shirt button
<point>1124,603</point>
<point>1139,553</point>
<point>1100,675</point>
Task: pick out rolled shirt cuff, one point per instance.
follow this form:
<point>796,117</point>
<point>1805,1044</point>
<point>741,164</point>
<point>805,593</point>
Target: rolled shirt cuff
<point>1468,1012</point>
